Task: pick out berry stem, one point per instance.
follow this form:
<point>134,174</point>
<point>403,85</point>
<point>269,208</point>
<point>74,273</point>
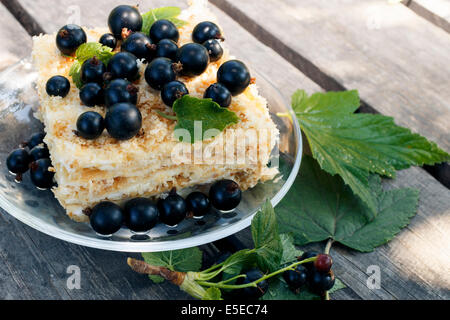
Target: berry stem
<point>222,285</point>
<point>167,116</point>
<point>328,246</point>
<point>327,251</point>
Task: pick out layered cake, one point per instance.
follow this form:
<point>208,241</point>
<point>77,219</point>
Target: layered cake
<point>88,171</point>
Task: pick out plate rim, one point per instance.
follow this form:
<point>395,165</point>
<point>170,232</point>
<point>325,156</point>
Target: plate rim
<point>158,246</point>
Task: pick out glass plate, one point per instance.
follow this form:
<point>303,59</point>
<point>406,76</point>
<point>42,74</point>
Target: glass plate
<point>40,210</point>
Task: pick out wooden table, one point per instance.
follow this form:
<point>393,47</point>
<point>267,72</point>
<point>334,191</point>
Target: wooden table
<point>396,55</point>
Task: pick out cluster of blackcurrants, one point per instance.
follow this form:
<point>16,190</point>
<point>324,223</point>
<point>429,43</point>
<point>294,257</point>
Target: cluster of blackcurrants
<point>33,155</point>
<point>191,60</point>
<point>140,214</point>
<point>110,85</point>
<point>317,275</point>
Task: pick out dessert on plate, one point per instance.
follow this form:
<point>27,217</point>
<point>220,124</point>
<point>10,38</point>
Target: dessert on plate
<point>111,122</point>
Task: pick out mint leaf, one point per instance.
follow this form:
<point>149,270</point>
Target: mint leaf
<point>179,260</point>
<point>320,206</point>
<point>75,73</point>
<point>269,249</point>
<point>85,52</point>
<point>212,294</point>
<point>91,49</point>
<point>355,145</point>
<point>193,112</point>
<point>168,13</point>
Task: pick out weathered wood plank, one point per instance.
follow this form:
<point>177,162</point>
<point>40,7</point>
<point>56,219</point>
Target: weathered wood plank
<point>435,11</point>
<point>15,40</point>
<point>350,266</point>
<point>105,275</point>
<point>397,60</point>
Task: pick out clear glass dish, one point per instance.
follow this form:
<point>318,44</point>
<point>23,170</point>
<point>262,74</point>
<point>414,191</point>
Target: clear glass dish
<point>40,210</point>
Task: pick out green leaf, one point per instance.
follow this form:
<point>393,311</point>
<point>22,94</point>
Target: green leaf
<point>168,13</point>
<point>290,252</point>
<point>279,290</point>
<point>91,49</point>
<point>345,102</point>
<point>179,260</point>
<point>355,145</point>
<point>75,73</point>
<point>238,261</point>
<point>212,294</point>
<point>85,52</point>
<point>193,113</point>
<point>269,249</point>
<point>320,206</point>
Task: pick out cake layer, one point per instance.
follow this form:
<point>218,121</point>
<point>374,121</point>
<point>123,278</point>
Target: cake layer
<point>89,171</point>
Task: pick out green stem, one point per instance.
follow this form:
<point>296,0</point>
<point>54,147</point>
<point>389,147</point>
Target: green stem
<point>167,116</point>
<point>328,246</point>
<point>213,267</point>
<point>254,283</point>
<point>327,251</point>
<point>234,278</point>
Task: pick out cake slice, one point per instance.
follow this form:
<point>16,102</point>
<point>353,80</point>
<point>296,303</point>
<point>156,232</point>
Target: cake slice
<point>89,171</point>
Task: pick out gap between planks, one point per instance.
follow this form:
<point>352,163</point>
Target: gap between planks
<point>428,15</point>
<point>439,171</point>
<point>25,19</point>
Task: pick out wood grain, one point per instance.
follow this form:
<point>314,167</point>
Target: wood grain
<point>411,265</point>
<point>14,39</point>
<point>384,50</point>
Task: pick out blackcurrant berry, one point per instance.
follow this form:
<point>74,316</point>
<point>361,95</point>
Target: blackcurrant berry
<point>123,121</point>
<point>319,282</point>
<point>124,16</point>
<point>173,91</point>
<point>108,40</point>
<point>194,59</point>
<point>167,48</point>
<point>140,214</point>
<point>40,174</point>
<point>57,86</point>
<point>306,255</point>
<point>90,125</point>
<point>219,94</point>
<point>198,203</point>
<point>91,94</point>
<point>39,152</point>
<point>172,209</point>
<point>123,65</point>
<point>164,29</point>
<point>296,278</point>
<point>234,75</point>
<point>92,70</point>
<point>214,49</point>
<point>18,161</point>
<point>106,218</point>
<point>159,72</point>
<point>204,31</point>
<point>69,38</point>
<point>323,263</point>
<point>225,195</point>
<point>35,139</point>
<point>252,293</point>
<point>120,90</point>
<point>138,44</point>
